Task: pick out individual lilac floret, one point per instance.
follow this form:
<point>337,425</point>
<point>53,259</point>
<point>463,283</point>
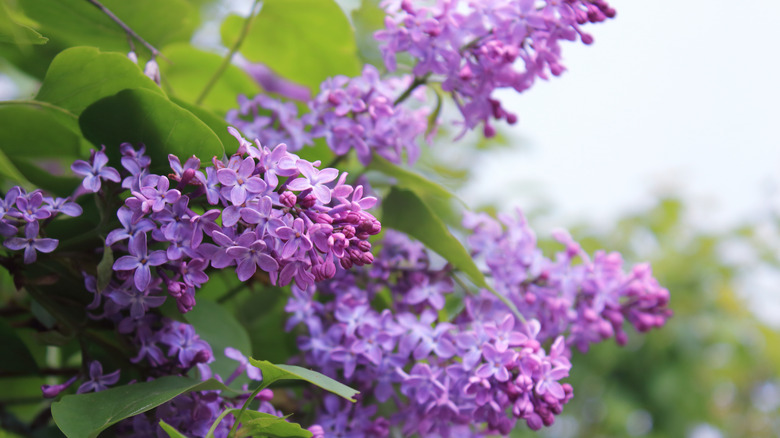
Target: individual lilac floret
<point>97,380</point>
<point>140,262</point>
<point>360,113</point>
<point>31,243</point>
<point>95,170</point>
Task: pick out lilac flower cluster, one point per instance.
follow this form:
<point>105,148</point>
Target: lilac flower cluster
<point>19,209</point>
<point>475,47</point>
<point>274,212</point>
<point>587,302</point>
<point>448,378</point>
<point>349,113</point>
<point>361,114</point>
<point>478,373</point>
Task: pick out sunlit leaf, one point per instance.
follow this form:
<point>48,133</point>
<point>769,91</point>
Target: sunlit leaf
<point>86,415</point>
<point>305,41</point>
<point>273,373</point>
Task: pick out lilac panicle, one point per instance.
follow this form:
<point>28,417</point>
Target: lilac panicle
<point>476,47</point>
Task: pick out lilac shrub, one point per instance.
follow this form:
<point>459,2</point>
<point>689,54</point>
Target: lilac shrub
<point>477,372</point>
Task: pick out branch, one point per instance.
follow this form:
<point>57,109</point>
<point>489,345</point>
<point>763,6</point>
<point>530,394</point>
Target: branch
<point>226,62</point>
<point>130,32</point>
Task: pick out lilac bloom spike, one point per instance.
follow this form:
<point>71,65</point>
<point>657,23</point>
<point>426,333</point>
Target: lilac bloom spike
<point>95,171</point>
<point>31,243</point>
<point>97,380</point>
<point>140,261</point>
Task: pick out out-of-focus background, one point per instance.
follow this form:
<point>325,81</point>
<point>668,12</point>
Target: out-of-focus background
<point>659,142</point>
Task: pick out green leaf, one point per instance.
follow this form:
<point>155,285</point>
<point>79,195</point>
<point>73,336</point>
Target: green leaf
<point>220,329</point>
<point>189,71</point>
<point>77,23</point>
<point>14,355</point>
<point>271,426</point>
<point>40,130</point>
<point>170,430</point>
<point>273,373</point>
<point>79,76</point>
<point>105,269</point>
<point>305,41</point>
<point>16,33</point>
<point>143,116</point>
<point>86,415</point>
<point>216,123</point>
<point>421,186</point>
<point>369,18</point>
<point>404,211</point>
<point>10,172</point>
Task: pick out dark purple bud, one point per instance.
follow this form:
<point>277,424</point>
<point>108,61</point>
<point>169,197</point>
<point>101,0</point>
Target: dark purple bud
<point>288,199</point>
<point>346,263</point>
<point>308,201</point>
<point>364,246</point>
<point>202,356</point>
<point>348,231</point>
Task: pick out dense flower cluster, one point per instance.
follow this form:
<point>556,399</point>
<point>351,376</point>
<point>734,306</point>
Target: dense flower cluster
<point>275,212</point>
<point>477,46</point>
<point>26,211</point>
<point>349,113</point>
<point>360,113</point>
<point>460,377</point>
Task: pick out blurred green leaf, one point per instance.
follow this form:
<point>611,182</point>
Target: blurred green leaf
<point>79,76</point>
<point>271,426</point>
<point>190,70</point>
<point>220,329</point>
<point>216,123</point>
<point>105,269</point>
<point>14,355</point>
<point>86,415</point>
<point>273,373</point>
<point>77,23</point>
<point>367,19</point>
<point>143,116</point>
<point>407,179</point>
<point>170,430</point>
<point>16,33</point>
<point>40,130</point>
<point>305,41</point>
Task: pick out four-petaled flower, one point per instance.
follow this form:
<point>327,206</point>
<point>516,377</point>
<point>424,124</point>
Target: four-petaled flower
<point>141,262</point>
<point>95,171</point>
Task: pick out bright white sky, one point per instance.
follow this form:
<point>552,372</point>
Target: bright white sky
<point>673,96</point>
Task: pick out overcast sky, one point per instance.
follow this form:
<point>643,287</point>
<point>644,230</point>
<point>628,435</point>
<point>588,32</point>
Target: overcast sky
<point>676,96</point>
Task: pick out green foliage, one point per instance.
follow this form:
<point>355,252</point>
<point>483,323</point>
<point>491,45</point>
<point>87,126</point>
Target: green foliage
<point>86,415</point>
<point>273,372</point>
<point>305,41</point>
<point>15,357</point>
<point>16,33</point>
<point>170,430</point>
<point>190,70</point>
<point>143,116</point>
<point>80,76</point>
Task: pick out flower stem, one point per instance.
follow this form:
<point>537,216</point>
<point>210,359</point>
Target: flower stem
<point>413,86</point>
<point>237,45</point>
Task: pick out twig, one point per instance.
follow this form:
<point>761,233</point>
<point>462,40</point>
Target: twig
<point>130,32</point>
<point>237,45</point>
<point>413,86</point>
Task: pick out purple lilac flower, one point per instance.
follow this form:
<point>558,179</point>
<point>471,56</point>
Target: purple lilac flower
<point>270,121</point>
<point>95,170</point>
<point>97,380</point>
<point>140,262</point>
<point>474,48</point>
<point>31,243</point>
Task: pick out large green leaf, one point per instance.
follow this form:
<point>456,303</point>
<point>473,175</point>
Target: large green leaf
<point>77,23</point>
<point>143,116</point>
<point>216,123</point>
<point>79,76</point>
<point>305,41</point>
<point>273,373</point>
<point>421,186</point>
<point>220,329</point>
<point>86,415</point>
<point>190,70</point>
<point>44,140</point>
